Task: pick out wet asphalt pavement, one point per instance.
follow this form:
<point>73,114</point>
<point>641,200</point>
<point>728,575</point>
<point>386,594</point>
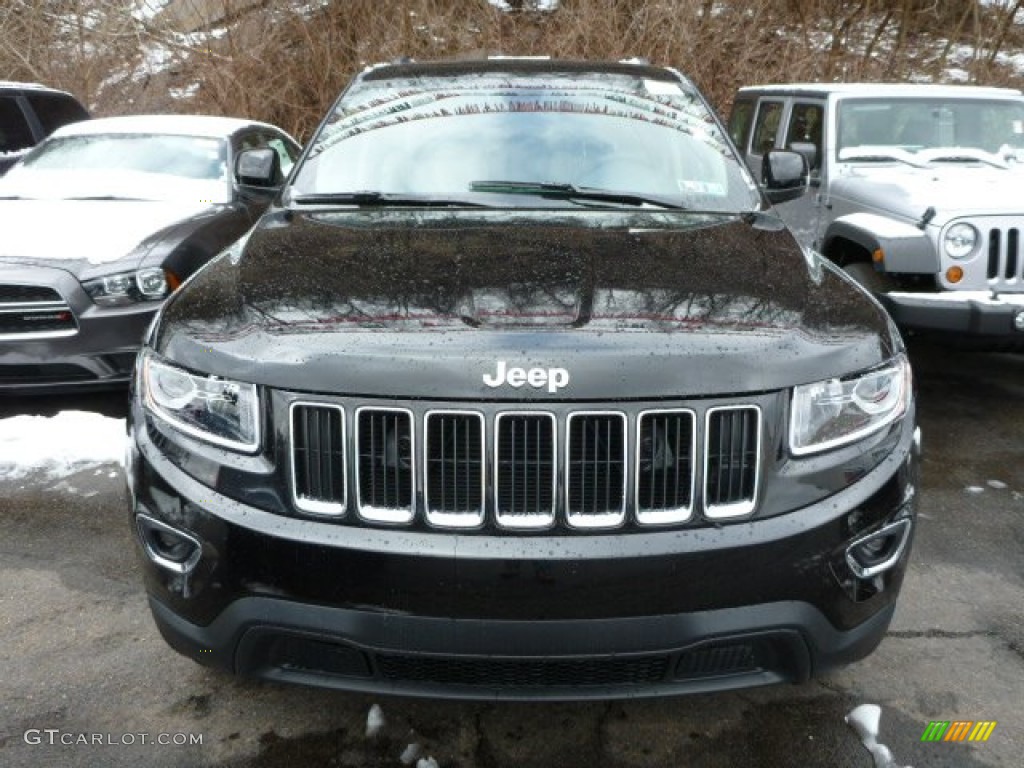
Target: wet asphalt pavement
<point>81,661</point>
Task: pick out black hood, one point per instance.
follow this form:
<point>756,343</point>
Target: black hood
<point>425,303</point>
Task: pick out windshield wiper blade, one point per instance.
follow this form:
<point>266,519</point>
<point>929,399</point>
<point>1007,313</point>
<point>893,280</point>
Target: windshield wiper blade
<point>961,155</point>
<point>103,197</point>
<point>381,199</point>
<point>880,153</point>
<point>563,191</point>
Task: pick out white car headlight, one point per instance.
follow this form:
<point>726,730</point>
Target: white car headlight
<point>150,284</point>
<point>960,240</point>
<point>210,408</point>
<point>835,412</point>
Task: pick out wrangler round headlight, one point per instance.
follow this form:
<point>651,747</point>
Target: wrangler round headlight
<point>828,414</point>
<point>960,240</point>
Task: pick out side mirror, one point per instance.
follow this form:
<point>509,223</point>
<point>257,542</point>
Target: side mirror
<point>808,149</point>
<point>259,168</point>
<point>784,175</point>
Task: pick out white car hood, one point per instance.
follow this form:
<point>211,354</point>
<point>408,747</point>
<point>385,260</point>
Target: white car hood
<point>951,190</point>
<point>97,231</point>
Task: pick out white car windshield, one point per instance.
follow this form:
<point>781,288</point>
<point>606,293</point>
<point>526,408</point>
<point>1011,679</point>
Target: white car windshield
<point>172,168</point>
<point>954,129</point>
<point>494,138</point>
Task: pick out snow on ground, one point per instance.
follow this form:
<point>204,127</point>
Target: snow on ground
<point>59,445</point>
<point>374,721</point>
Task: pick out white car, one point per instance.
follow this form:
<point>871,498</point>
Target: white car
<point>101,222</point>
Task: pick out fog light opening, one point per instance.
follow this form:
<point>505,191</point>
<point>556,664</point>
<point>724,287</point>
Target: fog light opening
<point>879,551</point>
<point>1018,321</point>
<point>169,548</point>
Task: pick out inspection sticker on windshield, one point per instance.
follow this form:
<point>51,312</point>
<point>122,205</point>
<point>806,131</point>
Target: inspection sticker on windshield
<point>661,88</point>
<point>701,187</point>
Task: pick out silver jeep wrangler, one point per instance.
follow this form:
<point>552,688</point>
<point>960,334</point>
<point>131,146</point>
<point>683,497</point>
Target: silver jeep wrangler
<point>917,191</point>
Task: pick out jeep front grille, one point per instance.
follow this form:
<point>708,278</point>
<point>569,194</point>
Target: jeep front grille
<point>524,494</point>
<point>731,460</point>
<point>34,312</point>
<point>453,476</point>
<point>595,484</point>
<point>318,458</point>
<point>524,672</point>
<point>581,469</point>
<point>664,470</point>
<point>1004,258</point>
<point>385,476</point>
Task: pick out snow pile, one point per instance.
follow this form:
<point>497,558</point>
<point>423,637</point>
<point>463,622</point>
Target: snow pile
<point>997,485</point>
<point>374,721</point>
<point>865,720</point>
<point>412,754</point>
<point>59,445</point>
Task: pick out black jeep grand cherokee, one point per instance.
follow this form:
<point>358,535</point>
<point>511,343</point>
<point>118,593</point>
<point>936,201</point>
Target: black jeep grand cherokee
<point>521,389</point>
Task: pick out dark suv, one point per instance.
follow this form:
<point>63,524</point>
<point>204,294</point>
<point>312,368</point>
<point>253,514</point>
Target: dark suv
<point>522,389</point>
<point>28,114</point>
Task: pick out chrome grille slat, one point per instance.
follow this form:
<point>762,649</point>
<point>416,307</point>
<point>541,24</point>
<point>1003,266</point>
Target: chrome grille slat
<point>454,463</point>
<point>318,458</point>
<point>524,469</point>
<point>731,469</point>
<point>665,466</point>
<point>385,473</point>
<point>595,466</point>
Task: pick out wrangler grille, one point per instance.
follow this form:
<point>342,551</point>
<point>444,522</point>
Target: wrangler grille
<point>34,311</point>
<point>526,470</point>
<point>1004,257</point>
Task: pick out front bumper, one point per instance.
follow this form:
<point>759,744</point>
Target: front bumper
<point>973,313</point>
<point>98,354</point>
<point>472,615</point>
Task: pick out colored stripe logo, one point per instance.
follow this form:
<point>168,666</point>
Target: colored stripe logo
<point>958,730</point>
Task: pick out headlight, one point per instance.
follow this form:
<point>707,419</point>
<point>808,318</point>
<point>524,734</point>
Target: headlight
<point>217,410</point>
<point>959,241</point>
<point>150,284</point>
<point>831,413</point>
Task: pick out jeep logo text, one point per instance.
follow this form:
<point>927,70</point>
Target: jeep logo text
<point>553,378</point>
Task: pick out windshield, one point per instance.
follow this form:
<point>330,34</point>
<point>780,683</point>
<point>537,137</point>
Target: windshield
<point>443,139</point>
<point>918,126</point>
<point>124,166</point>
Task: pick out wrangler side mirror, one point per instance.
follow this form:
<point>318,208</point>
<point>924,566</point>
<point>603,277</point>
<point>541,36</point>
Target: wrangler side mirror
<point>783,175</point>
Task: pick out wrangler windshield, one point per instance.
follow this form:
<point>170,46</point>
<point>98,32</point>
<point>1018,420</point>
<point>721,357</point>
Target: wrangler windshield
<point>437,138</point>
<point>931,128</point>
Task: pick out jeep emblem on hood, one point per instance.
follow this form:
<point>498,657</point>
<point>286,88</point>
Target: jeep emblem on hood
<point>553,378</point>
